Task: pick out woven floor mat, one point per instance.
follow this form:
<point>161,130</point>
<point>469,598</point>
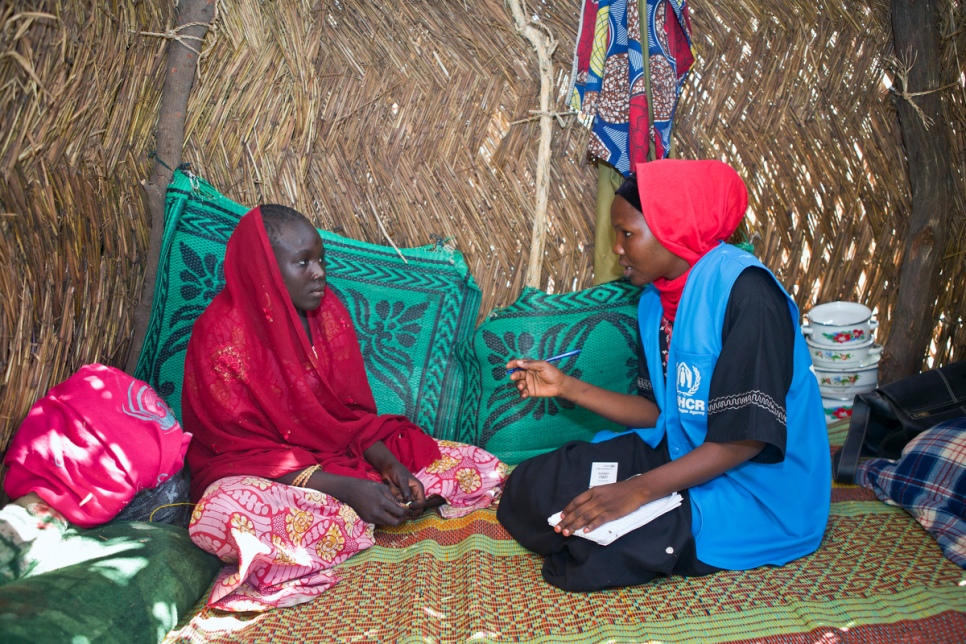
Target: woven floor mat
<point>878,577</point>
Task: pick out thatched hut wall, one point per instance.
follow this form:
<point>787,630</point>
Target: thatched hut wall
<point>407,120</point>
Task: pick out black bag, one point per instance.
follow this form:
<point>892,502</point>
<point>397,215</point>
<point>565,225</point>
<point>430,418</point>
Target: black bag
<point>886,419</point>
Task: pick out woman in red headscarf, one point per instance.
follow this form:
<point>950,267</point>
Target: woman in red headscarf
<point>292,465</point>
<point>728,414</point>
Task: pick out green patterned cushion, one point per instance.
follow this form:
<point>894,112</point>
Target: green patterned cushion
<point>408,312</point>
<point>601,321</point>
<point>124,582</point>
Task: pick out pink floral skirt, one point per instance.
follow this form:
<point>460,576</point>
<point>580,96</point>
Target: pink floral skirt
<point>280,541</point>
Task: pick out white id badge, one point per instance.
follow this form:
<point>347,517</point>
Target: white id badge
<point>603,473</point>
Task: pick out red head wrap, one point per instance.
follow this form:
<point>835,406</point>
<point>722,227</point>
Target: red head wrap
<point>689,206</point>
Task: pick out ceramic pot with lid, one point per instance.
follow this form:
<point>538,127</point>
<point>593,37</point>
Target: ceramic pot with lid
<point>846,383</point>
<point>849,355</point>
<point>836,409</point>
<point>836,323</point>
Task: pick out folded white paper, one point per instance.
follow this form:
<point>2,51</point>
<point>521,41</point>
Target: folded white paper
<point>617,528</point>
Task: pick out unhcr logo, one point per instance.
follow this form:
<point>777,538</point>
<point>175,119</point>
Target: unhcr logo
<point>689,381</point>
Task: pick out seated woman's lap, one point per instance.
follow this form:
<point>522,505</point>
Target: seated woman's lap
<point>544,485</point>
<point>281,539</point>
<point>469,478</point>
<point>324,529</point>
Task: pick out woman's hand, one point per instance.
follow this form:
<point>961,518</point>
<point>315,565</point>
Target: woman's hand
<point>591,509</point>
<point>543,380</point>
<point>404,485</point>
<point>374,502</point>
<point>599,505</point>
<point>536,378</point>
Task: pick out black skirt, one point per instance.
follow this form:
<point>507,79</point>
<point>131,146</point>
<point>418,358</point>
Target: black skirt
<point>543,485</point>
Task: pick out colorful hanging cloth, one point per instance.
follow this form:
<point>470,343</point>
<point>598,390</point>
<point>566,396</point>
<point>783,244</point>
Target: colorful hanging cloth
<point>611,79</point>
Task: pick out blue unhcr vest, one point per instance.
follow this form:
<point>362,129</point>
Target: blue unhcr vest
<point>756,513</point>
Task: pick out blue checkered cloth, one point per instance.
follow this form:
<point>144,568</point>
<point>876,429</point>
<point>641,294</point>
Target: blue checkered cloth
<point>929,481</point>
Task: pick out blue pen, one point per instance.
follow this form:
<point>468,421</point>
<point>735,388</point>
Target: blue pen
<point>552,358</point>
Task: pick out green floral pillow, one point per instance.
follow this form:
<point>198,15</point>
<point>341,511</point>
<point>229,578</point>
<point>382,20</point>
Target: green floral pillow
<point>410,307</point>
<point>601,322</point>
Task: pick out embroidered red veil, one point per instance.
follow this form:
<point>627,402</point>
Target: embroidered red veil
<point>262,400</point>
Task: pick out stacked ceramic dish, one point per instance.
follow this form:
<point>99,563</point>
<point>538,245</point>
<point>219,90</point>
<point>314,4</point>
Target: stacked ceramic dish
<point>845,357</point>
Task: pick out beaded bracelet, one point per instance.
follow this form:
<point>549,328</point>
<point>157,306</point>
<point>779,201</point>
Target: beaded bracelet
<point>304,476</point>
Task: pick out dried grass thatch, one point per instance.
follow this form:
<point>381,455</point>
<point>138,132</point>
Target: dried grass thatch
<point>404,121</point>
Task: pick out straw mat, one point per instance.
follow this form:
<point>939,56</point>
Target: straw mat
<point>878,577</point>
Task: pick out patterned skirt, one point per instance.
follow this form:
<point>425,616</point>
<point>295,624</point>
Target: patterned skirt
<point>280,542</point>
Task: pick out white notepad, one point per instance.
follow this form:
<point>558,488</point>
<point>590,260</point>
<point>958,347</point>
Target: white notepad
<point>617,528</point>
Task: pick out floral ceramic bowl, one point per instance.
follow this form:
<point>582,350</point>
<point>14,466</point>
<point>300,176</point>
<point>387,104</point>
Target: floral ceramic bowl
<point>837,323</point>
<point>849,355</point>
<point>836,409</point>
<point>845,383</point>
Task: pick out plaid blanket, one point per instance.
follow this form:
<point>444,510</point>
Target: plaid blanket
<point>929,481</point>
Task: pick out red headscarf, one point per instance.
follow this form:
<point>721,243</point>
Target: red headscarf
<point>690,206</point>
<point>262,400</point>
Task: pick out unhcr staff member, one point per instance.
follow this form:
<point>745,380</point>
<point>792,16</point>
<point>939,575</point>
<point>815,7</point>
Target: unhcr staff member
<point>731,416</point>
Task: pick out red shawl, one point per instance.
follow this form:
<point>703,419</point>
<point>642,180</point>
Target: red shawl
<point>262,400</point>
<point>690,207</point>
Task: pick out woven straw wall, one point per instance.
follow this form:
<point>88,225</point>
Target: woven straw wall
<point>403,121</point>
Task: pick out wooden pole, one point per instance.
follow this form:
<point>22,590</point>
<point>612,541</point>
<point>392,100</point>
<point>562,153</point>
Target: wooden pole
<point>184,45</point>
<point>915,26</point>
<point>544,45</point>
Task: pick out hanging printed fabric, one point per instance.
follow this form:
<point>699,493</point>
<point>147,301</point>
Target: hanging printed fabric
<point>670,59</point>
<point>610,76</point>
